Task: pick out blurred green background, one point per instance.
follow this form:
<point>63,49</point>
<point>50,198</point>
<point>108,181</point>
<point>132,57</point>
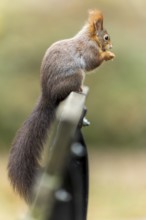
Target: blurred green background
<point>116,102</point>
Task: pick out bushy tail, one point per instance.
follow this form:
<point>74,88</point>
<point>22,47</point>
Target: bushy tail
<point>26,149</point>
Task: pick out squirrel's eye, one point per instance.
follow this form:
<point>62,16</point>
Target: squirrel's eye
<point>106,37</point>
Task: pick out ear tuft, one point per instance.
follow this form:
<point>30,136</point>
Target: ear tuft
<point>94,11</point>
<point>95,14</point>
<point>96,19</point>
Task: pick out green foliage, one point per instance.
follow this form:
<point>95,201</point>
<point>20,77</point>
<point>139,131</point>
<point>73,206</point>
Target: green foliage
<point>116,102</point>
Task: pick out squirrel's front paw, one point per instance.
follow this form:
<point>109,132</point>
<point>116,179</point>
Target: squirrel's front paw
<point>108,55</point>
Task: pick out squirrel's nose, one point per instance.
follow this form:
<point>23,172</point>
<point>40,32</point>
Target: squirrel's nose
<point>110,46</point>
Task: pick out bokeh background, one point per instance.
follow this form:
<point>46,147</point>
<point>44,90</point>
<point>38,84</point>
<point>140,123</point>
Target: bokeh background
<point>116,102</point>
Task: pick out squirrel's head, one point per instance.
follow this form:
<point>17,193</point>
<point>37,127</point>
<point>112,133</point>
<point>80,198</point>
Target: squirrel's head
<point>97,31</point>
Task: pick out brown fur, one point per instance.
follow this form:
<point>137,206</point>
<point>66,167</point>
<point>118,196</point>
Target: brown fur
<point>94,16</point>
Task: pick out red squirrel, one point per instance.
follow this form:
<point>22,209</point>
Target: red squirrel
<point>62,71</point>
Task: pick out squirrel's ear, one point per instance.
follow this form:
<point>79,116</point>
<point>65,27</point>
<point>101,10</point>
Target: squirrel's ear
<point>96,19</point>
<point>99,24</point>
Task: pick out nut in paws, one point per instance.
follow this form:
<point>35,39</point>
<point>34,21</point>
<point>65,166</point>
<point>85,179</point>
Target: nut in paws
<point>109,55</point>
